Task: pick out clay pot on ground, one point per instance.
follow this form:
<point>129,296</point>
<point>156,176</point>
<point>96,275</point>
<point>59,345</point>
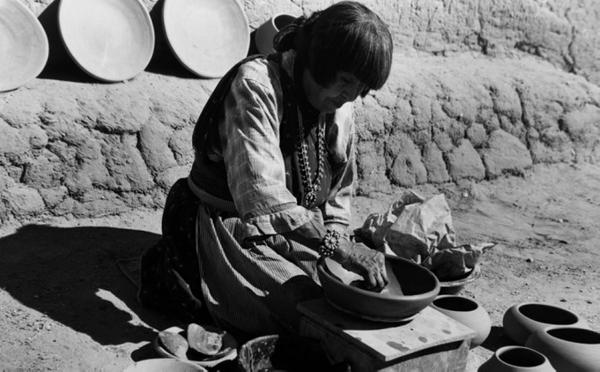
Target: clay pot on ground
<point>521,320</point>
<point>454,286</point>
<point>266,32</point>
<point>516,359</point>
<point>568,348</point>
<point>467,312</point>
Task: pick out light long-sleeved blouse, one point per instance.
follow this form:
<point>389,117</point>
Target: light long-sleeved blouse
<point>250,149</point>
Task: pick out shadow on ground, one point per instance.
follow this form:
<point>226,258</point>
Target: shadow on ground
<point>71,275</point>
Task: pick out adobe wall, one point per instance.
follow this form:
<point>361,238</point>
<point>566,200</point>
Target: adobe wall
<point>465,101</point>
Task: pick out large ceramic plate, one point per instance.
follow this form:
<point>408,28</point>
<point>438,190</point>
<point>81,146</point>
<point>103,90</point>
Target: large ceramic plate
<point>111,40</point>
<point>207,36</point>
<point>23,45</point>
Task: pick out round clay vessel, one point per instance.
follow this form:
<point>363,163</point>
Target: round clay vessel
<point>411,288</point>
<point>568,348</point>
<point>516,359</point>
<point>467,312</point>
<point>263,38</point>
<point>521,320</point>
<point>255,355</point>
<point>456,285</point>
<point>111,40</point>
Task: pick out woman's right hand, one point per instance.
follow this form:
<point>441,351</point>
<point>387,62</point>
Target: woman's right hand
<point>367,262</point>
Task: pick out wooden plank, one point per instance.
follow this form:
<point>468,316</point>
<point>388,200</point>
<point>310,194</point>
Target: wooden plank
<point>386,342</point>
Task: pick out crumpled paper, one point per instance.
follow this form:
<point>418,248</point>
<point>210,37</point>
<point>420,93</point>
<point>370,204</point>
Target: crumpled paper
<point>421,230</point>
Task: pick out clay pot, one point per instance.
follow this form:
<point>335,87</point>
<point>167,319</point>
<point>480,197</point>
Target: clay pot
<point>266,32</point>
<point>255,355</point>
<point>568,348</point>
<point>456,285</point>
<point>467,312</point>
<point>411,288</point>
<point>516,359</point>
<point>522,320</point>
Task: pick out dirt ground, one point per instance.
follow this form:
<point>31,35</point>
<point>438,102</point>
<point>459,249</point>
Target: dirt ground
<point>66,306</point>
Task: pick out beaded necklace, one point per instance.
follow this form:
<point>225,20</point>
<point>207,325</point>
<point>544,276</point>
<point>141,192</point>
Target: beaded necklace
<point>311,186</point>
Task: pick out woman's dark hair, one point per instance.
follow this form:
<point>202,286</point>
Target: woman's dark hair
<point>346,36</point>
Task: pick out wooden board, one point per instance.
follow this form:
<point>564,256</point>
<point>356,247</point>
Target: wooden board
<point>386,342</point>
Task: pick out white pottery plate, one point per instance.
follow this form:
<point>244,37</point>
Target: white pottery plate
<point>207,36</point>
<point>23,45</point>
<point>111,40</point>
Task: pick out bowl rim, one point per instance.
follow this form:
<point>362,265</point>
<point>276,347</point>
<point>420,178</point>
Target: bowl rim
<point>473,274</point>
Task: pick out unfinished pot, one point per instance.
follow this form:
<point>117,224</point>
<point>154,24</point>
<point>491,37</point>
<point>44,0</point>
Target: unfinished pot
<point>568,348</point>
<point>516,359</point>
<point>467,312</point>
<point>263,38</point>
<point>411,288</point>
<point>521,320</point>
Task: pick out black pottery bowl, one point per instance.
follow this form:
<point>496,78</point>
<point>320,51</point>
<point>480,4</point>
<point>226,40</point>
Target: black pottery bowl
<point>411,288</point>
<point>454,286</point>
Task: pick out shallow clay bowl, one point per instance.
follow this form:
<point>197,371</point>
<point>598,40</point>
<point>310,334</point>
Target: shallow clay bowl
<point>411,288</point>
<point>454,286</point>
<point>111,40</point>
<point>208,37</point>
<point>23,45</point>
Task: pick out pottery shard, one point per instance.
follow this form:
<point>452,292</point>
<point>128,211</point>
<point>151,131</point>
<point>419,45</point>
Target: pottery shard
<point>435,165</point>
<point>407,169</point>
<point>465,163</point>
<point>506,154</point>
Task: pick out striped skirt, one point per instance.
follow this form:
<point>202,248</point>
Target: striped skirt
<point>202,270</point>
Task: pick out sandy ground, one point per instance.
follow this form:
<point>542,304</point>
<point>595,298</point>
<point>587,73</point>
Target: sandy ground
<point>66,306</point>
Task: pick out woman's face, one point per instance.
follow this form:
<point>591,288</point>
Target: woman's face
<point>344,88</point>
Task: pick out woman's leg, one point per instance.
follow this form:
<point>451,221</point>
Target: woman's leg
<point>170,279</point>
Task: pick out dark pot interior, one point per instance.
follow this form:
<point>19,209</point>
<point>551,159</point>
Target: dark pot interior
<point>548,314</point>
<point>522,357</point>
<point>455,303</point>
<point>283,20</point>
<point>572,334</point>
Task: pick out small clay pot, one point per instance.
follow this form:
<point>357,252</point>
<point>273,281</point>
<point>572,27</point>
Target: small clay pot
<point>522,320</point>
<point>516,359</point>
<point>263,38</point>
<point>456,285</point>
<point>568,348</point>
<point>467,312</point>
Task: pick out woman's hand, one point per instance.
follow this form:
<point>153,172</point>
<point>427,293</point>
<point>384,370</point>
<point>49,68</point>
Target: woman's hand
<point>367,262</point>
